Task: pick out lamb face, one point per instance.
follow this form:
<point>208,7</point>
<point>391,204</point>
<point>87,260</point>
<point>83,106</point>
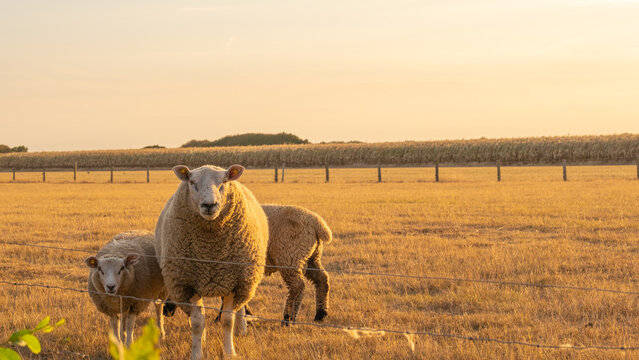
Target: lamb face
<point>111,273</point>
<point>206,187</point>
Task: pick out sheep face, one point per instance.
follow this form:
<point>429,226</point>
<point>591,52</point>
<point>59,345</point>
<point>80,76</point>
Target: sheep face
<point>112,273</point>
<point>206,187</point>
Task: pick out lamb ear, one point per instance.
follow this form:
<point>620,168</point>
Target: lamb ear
<point>131,259</point>
<point>182,172</point>
<point>91,262</point>
<point>234,172</point>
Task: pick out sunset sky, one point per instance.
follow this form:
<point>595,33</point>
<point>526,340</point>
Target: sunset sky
<point>125,74</point>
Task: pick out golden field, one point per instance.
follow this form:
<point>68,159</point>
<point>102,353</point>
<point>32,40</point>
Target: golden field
<point>593,149</point>
<point>531,227</point>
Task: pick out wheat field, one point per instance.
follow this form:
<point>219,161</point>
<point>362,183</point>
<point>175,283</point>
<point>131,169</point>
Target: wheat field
<point>593,149</point>
<point>531,227</point>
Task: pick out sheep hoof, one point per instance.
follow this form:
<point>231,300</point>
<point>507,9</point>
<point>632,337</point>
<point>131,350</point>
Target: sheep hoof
<point>169,309</point>
<point>320,314</point>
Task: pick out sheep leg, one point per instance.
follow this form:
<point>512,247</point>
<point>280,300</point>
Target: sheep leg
<point>319,278</point>
<point>198,331</point>
<point>114,321</point>
<point>159,309</point>
<point>240,322</point>
<point>228,320</point>
<point>219,313</point>
<point>295,285</point>
<point>130,325</point>
<point>247,311</point>
<point>123,322</point>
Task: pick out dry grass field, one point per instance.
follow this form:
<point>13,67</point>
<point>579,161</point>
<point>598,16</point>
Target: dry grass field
<point>531,227</point>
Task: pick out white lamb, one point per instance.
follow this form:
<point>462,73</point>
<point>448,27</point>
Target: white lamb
<point>126,266</point>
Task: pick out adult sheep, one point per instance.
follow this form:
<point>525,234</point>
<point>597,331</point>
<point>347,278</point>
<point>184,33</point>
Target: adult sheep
<point>213,218</point>
<point>126,266</point>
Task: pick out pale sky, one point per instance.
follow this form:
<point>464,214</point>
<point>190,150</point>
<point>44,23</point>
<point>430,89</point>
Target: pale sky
<point>124,74</point>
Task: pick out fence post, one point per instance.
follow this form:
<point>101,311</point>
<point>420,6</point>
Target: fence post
<point>379,173</point>
<point>111,174</point>
<point>436,172</point>
<point>75,171</point>
<point>565,174</point>
<point>283,166</point>
<point>14,174</point>
<point>327,177</point>
<point>148,178</point>
<point>276,173</point>
<point>637,168</point>
<point>498,170</point>
<point>44,174</point>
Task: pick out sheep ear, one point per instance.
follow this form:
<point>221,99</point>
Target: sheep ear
<point>91,262</point>
<point>131,259</point>
<point>234,172</point>
<point>182,172</point>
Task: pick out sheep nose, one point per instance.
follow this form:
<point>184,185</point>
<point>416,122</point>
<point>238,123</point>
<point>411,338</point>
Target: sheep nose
<point>111,287</point>
<point>208,206</point>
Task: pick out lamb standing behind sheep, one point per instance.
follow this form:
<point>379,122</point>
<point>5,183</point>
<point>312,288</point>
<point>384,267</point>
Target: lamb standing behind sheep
<point>296,238</point>
<point>213,218</point>
<point>126,266</point>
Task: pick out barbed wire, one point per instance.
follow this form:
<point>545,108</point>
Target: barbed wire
<point>357,272</point>
<point>353,330</point>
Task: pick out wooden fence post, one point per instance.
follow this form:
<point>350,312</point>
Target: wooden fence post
<point>327,177</point>
<point>498,170</point>
<point>44,174</point>
<point>14,174</point>
<point>276,173</point>
<point>637,169</point>
<point>112,174</point>
<point>283,166</point>
<point>436,172</point>
<point>565,174</point>
<point>148,177</point>
<point>75,171</point>
<point>379,173</point>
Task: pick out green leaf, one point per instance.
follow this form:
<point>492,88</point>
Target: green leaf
<point>43,323</point>
<point>47,329</point>
<point>16,336</point>
<point>8,354</point>
<point>32,343</point>
<point>144,348</point>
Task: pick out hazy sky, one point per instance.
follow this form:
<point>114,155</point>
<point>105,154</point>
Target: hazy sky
<point>125,74</point>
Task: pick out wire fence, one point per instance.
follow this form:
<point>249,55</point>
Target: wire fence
<point>355,331</point>
<point>380,173</point>
<point>357,272</point>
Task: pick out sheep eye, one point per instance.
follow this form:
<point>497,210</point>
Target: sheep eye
<point>100,270</point>
<point>122,268</point>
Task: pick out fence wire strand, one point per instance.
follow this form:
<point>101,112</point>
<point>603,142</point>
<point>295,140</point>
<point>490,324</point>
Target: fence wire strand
<point>363,273</point>
<point>380,331</point>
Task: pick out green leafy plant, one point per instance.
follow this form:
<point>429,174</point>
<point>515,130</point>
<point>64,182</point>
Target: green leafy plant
<point>27,338</point>
<point>144,348</point>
